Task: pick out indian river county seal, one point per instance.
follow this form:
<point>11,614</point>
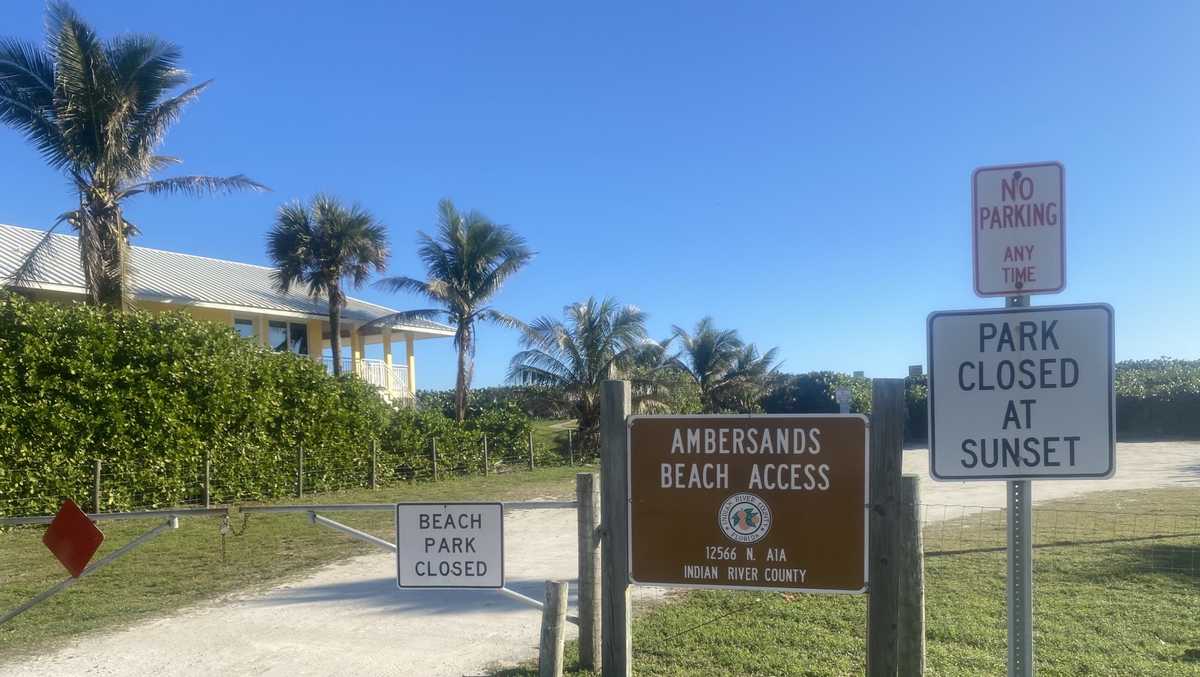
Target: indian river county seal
<point>744,518</point>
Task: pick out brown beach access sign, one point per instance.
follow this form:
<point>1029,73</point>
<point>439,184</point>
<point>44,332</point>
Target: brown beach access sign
<point>756,502</point>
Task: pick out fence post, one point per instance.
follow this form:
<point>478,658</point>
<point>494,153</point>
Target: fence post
<point>300,475</point>
<point>485,456</point>
<point>887,446</point>
<point>373,479</point>
<point>207,476</point>
<point>433,444</point>
<point>96,489</point>
<point>531,449</point>
<point>912,579</point>
<point>554,620</point>
<point>587,511</point>
<point>616,637</point>
<point>571,445</point>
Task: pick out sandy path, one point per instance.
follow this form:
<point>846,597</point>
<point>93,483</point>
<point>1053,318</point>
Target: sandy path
<point>349,618</point>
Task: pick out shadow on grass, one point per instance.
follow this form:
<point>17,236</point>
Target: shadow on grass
<point>1179,561</point>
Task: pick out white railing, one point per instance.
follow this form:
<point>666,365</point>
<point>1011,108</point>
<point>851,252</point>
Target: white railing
<point>375,372</point>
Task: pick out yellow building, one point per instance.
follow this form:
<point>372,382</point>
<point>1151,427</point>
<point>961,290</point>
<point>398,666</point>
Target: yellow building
<point>243,297</point>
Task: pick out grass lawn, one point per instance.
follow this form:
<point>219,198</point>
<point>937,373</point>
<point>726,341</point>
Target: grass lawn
<point>1121,608</point>
<point>552,433</point>
<point>186,566</point>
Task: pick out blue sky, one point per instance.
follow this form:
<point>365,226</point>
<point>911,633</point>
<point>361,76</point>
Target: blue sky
<point>800,173</point>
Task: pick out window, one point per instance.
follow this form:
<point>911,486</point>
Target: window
<point>299,342</point>
<point>244,327</point>
<point>277,336</point>
<point>291,337</point>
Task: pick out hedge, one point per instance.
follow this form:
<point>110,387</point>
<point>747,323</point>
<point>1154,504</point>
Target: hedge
<point>1154,398</point>
<point>152,397</point>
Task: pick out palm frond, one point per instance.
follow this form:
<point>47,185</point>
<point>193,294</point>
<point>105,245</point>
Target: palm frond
<point>31,267</point>
<point>429,314</point>
<point>195,186</point>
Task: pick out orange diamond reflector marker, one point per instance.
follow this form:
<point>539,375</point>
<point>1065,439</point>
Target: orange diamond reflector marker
<point>72,538</point>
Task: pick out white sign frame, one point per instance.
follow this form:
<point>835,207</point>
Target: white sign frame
<point>401,545</point>
<point>1111,398</point>
<point>1061,242</point>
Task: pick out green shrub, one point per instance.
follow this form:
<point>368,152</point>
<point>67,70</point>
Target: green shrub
<point>1153,397</point>
<point>816,393</point>
<point>1158,397</point>
<point>151,397</point>
<point>534,401</point>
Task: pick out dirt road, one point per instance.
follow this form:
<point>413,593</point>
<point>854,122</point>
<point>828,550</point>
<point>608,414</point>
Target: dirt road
<point>350,619</point>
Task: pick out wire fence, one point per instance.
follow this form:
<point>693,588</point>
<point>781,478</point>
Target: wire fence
<point>1156,541</point>
<point>209,482</point>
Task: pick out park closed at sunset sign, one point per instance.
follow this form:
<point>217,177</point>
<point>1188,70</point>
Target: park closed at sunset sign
<point>763,502</point>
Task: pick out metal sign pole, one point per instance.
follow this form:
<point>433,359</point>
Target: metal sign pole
<point>1020,563</point>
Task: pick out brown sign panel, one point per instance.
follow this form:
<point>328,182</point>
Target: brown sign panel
<point>760,502</point>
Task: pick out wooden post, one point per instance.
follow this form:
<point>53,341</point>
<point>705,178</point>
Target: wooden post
<point>433,444</point>
<point>887,445</point>
<point>96,489</point>
<point>554,621</point>
<point>373,477</point>
<point>587,500</point>
<point>616,637</point>
<point>912,579</point>
<point>486,464</point>
<point>207,483</point>
<point>300,475</point>
<point>531,449</point>
<point>571,445</point>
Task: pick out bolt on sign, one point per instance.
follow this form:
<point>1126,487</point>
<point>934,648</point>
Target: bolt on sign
<point>450,545</point>
<point>1021,393</point>
<point>1018,220</point>
<point>770,502</point>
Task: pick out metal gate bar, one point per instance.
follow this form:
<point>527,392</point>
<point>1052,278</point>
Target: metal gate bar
<point>170,523</point>
<point>391,547</point>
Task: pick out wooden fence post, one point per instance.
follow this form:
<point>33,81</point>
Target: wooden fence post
<point>571,445</point>
<point>433,444</point>
<point>207,478</point>
<point>912,580</point>
<point>485,455</point>
<point>616,636</point>
<point>373,478</point>
<point>300,475</point>
<point>531,449</point>
<point>587,499</point>
<point>96,489</point>
<point>554,621</point>
<point>887,447</point>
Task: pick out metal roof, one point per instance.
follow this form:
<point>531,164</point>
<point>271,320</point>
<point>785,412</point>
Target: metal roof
<point>186,279</point>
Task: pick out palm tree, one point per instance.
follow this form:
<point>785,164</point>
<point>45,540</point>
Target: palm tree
<point>97,110</point>
<point>466,265</point>
<point>729,373</point>
<point>321,246</point>
<point>600,340</point>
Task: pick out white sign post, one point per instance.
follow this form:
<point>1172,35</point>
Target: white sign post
<point>450,545</point>
<point>843,400</point>
<point>1021,393</point>
<point>1018,220</point>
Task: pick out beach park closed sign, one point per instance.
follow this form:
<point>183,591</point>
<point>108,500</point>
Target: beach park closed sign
<point>749,502</point>
<point>450,545</point>
<point>1021,393</point>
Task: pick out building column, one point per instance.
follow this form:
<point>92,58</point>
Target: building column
<point>260,322</point>
<point>387,358</point>
<point>412,364</point>
<point>316,344</point>
<point>356,350</point>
